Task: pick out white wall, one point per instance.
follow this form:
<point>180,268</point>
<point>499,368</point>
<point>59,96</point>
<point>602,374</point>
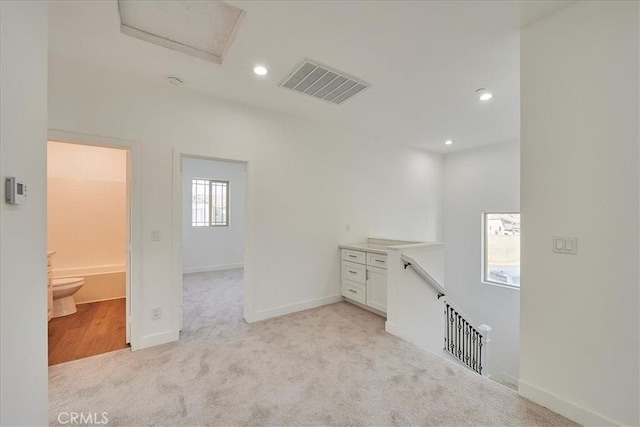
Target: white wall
<point>579,314</point>
<point>213,248</point>
<point>414,311</point>
<point>476,181</point>
<point>23,242</point>
<point>306,182</point>
<point>86,207</point>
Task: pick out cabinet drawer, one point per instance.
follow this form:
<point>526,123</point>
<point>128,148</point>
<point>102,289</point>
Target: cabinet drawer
<point>354,272</point>
<point>377,260</point>
<point>354,291</point>
<point>353,256</point>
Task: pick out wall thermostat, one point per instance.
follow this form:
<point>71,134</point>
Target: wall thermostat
<point>15,192</point>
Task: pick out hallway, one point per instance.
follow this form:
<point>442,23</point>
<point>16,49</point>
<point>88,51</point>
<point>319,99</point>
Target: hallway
<point>334,365</point>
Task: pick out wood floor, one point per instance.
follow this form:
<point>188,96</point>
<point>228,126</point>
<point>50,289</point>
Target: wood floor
<point>96,328</point>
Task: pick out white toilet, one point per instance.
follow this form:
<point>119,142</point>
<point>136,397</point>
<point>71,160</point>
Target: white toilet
<point>63,290</point>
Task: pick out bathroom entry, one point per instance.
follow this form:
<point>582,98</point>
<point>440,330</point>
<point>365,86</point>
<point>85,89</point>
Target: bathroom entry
<point>213,229</point>
<point>88,232</point>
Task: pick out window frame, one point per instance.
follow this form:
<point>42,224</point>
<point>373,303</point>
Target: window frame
<point>484,251</point>
<point>211,204</point>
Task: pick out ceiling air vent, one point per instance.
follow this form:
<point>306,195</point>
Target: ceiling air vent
<point>322,82</point>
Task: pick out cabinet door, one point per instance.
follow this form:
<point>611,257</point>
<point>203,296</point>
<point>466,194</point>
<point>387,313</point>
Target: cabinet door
<point>377,288</point>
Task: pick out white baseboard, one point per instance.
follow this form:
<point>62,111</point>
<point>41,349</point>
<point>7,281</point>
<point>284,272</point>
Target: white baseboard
<point>293,308</point>
<point>366,307</point>
<point>211,268</point>
<point>391,328</point>
<point>155,339</point>
<point>563,407</point>
<point>509,380</point>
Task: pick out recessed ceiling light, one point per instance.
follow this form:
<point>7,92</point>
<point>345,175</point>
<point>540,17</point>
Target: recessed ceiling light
<point>260,70</point>
<point>448,142</point>
<point>483,94</point>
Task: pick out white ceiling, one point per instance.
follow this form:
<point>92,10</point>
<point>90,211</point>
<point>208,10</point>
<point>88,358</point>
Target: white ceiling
<point>423,59</point>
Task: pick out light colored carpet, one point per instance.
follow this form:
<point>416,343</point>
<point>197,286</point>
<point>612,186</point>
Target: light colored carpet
<point>333,365</point>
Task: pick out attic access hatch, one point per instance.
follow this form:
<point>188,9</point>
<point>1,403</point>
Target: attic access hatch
<point>204,29</point>
<point>322,82</point>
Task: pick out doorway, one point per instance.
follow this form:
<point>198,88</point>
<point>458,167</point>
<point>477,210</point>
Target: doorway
<point>213,216</point>
<point>89,249</point>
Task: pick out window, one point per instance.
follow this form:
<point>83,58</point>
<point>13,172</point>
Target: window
<point>209,203</point>
<point>501,263</point>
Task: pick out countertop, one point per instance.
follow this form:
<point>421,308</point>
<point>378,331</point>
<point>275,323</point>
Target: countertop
<point>378,246</point>
<point>366,247</point>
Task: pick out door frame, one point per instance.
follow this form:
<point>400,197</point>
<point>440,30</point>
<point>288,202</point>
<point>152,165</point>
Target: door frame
<point>178,155</point>
<point>133,300</point>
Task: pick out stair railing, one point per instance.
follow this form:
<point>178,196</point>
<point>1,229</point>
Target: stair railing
<point>463,340</point>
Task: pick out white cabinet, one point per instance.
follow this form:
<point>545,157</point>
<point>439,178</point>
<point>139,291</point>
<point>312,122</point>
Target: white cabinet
<point>354,256</point>
<point>377,260</point>
<point>364,278</point>
<point>377,288</point>
<point>354,272</point>
<point>354,291</point>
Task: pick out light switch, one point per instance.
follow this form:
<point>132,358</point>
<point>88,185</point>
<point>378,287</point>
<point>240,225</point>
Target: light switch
<point>559,244</point>
<point>565,245</point>
<point>155,236</point>
<point>570,245</point>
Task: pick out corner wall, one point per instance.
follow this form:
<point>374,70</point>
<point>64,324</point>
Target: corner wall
<point>23,242</point>
<point>485,179</point>
<point>580,323</point>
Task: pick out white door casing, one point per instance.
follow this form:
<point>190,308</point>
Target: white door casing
<point>132,258</point>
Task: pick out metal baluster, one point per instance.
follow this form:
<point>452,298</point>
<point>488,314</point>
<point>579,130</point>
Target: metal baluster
<point>469,329</point>
<point>460,337</point>
<point>462,322</point>
<point>446,326</point>
<point>477,351</point>
<point>480,358</point>
<point>455,331</point>
<point>464,341</point>
<point>452,339</point>
<point>457,354</point>
<point>475,348</point>
<point>461,352</point>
